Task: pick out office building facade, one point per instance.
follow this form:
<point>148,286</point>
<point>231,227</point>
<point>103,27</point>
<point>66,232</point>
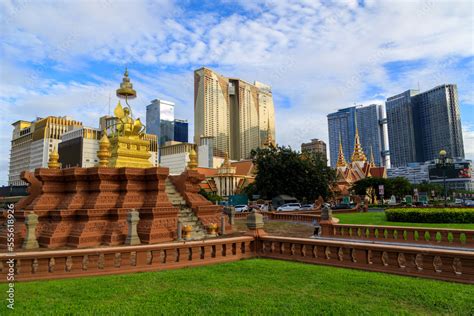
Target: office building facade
<point>181,131</point>
<point>370,121</point>
<point>421,124</point>
<point>160,120</point>
<point>316,146</point>
<point>33,141</point>
<point>236,113</point>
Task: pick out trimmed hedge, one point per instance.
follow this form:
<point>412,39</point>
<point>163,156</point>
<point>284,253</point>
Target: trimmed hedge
<point>430,215</point>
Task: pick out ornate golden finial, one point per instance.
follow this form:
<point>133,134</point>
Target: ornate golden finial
<point>126,88</point>
<point>269,141</point>
<point>192,164</point>
<point>53,162</point>
<point>104,150</point>
<point>341,161</point>
<point>226,162</point>
<point>372,160</point>
<point>358,154</point>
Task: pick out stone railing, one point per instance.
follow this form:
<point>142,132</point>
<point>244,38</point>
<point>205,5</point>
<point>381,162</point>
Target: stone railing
<point>401,234</point>
<point>443,264</point>
<point>450,265</point>
<point>58,264</point>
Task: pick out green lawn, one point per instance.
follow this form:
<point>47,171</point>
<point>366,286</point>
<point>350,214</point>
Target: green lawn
<point>378,218</point>
<point>257,286</point>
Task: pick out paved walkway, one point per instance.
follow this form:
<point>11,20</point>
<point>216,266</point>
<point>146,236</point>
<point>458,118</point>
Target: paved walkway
<point>432,246</point>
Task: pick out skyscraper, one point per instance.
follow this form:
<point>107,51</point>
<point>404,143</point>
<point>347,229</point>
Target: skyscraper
<point>421,124</point>
<point>160,120</point>
<point>181,131</point>
<point>239,115</point>
<point>370,122</point>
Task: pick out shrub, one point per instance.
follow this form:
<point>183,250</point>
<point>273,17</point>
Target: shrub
<point>430,215</point>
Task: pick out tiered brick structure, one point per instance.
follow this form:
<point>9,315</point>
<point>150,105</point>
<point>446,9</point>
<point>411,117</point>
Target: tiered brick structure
<point>86,207</point>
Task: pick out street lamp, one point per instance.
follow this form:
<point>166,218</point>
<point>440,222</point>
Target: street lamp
<point>443,162</point>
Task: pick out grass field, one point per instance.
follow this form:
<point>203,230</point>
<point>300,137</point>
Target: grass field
<point>378,218</point>
<point>257,286</point>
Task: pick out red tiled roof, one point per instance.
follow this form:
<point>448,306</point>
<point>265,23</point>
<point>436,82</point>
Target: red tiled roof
<point>243,167</point>
<point>208,172</point>
<point>378,172</point>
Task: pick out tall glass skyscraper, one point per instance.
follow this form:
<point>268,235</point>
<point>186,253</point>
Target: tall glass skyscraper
<point>370,122</point>
<point>181,131</point>
<point>421,124</point>
<point>160,120</point>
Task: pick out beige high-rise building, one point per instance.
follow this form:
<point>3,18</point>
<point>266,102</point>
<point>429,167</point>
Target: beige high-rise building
<point>239,115</point>
<point>32,142</point>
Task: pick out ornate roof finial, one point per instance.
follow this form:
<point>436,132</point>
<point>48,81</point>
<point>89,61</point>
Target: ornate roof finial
<point>372,160</point>
<point>341,161</point>
<point>126,88</point>
<point>104,150</point>
<point>358,154</point>
<point>226,162</point>
<point>192,164</point>
<point>53,162</point>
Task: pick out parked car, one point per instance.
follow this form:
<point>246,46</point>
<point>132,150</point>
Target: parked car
<point>469,203</point>
<point>343,206</point>
<point>306,207</point>
<point>289,207</point>
<point>241,208</point>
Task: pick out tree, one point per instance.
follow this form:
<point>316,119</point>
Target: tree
<point>211,196</point>
<point>399,186</point>
<point>370,186</point>
<point>281,170</point>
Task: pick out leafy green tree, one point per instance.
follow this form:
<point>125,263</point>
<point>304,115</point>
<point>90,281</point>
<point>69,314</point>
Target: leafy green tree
<point>281,170</point>
<point>399,186</point>
<point>370,186</point>
<point>211,196</point>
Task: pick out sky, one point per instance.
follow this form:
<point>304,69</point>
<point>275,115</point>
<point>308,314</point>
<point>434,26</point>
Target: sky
<point>67,57</point>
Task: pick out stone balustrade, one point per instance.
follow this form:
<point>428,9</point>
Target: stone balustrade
<point>56,264</point>
<point>402,234</point>
<point>449,265</point>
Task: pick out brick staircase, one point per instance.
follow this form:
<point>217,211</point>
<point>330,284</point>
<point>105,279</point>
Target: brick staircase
<point>186,215</point>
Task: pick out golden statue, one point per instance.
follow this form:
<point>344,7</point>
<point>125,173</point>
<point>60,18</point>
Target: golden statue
<point>128,148</point>
<point>126,125</point>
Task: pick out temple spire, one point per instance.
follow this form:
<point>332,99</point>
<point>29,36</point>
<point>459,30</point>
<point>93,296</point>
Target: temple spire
<point>269,141</point>
<point>372,160</point>
<point>358,154</point>
<point>341,161</point>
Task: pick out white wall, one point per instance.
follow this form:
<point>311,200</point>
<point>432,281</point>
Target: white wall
<point>176,162</point>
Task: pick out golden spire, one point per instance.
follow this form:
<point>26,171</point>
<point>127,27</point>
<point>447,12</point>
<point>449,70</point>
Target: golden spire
<point>104,150</point>
<point>341,161</point>
<point>358,154</point>
<point>53,162</point>
<point>192,164</point>
<point>372,160</point>
<point>269,141</point>
<point>226,162</point>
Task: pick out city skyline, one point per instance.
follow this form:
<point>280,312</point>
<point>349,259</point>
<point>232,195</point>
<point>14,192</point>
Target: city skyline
<point>52,67</point>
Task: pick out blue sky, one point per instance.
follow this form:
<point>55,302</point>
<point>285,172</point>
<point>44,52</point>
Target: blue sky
<point>67,57</point>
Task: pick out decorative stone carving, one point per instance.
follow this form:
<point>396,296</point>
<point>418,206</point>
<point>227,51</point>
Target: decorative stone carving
<point>457,266</point>
<point>353,255</point>
<point>369,257</point>
<point>30,242</point>
<point>34,266</point>
<point>385,258</point>
<point>101,261</point>
<point>327,252</point>
<point>149,257</point>
<point>402,262</point>
<point>133,258</point>
<point>340,254</point>
<point>68,263</point>
<point>51,265</point>
<point>437,264</point>
<point>85,262</point>
<point>132,219</point>
<point>117,260</point>
<point>419,261</point>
